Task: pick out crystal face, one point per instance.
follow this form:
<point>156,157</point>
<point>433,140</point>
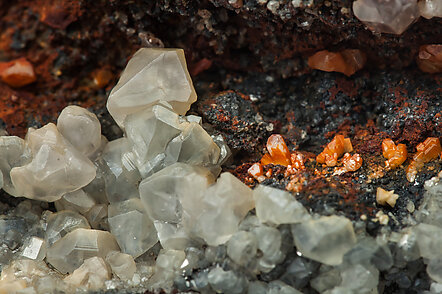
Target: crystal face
<point>386,16</point>
<point>152,75</point>
<point>57,167</point>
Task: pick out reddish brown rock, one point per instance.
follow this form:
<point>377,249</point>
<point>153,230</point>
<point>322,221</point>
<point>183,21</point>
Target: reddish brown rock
<point>429,58</point>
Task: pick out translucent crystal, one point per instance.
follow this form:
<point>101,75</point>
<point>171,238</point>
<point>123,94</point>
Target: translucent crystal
<point>163,192</point>
<point>68,253</point>
<point>219,213</point>
<point>358,278</point>
<point>12,230</point>
<point>327,279</point>
<point>430,8</point>
<point>299,272</point>
<point>242,247</point>
<point>57,167</point>
<point>171,236</point>
<point>225,151</point>
<point>81,128</point>
<point>257,287</point>
<point>429,240</point>
<point>1,179</point>
<point>278,207</point>
<point>434,269</point>
<point>152,75</point>
<point>77,201</point>
<point>129,223</point>
<point>34,248</point>
<point>269,243</point>
<point>326,239</point>
<point>13,153</point>
<point>367,252</point>
<point>123,265</point>
<point>193,146</point>
<point>91,274</point>
<point>226,281</point>
<point>148,132</point>
<point>97,216</point>
<point>278,287</point>
<point>167,264</point>
<point>63,222</point>
<point>121,177</point>
<point>386,16</point>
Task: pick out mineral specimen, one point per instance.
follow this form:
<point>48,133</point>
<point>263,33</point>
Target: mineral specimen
<point>61,223</point>
<point>347,61</point>
<point>384,16</point>
<point>256,171</point>
<point>429,58</point>
<point>384,197</point>
<point>17,73</point>
<point>326,239</point>
<point>278,151</point>
<point>152,75</point>
<point>430,8</point>
<point>426,151</point>
<point>56,168</point>
<point>69,253</point>
<point>122,265</point>
<point>91,274</point>
<point>395,154</point>
<point>334,150</point>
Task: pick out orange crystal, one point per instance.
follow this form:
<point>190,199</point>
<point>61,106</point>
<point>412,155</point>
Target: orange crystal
<point>334,150</point>
<point>429,58</point>
<point>347,61</point>
<point>395,154</point>
<point>297,160</point>
<point>17,73</point>
<point>278,151</point>
<point>257,172</point>
<point>426,151</point>
<point>351,163</point>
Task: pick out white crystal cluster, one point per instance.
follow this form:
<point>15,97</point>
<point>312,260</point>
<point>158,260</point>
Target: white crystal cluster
<point>394,16</point>
<point>152,210</point>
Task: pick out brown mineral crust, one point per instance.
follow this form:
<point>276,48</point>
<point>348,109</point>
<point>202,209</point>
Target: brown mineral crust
<point>429,58</point>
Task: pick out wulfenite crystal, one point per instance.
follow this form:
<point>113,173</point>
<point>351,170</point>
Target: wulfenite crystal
<point>152,75</point>
<point>386,16</point>
<point>57,167</point>
<point>326,239</point>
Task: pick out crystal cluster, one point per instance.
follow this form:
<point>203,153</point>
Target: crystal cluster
<point>152,210</point>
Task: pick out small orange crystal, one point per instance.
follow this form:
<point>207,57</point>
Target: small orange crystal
<point>426,151</point>
<point>429,58</point>
<point>297,160</point>
<point>257,172</point>
<point>278,151</point>
<point>101,77</point>
<point>347,61</point>
<point>334,150</point>
<point>17,73</point>
<point>351,163</point>
<point>396,155</point>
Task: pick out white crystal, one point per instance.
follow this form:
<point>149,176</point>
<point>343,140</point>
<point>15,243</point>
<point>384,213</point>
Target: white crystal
<point>276,206</point>
<point>81,128</point>
<point>152,75</point>
<point>68,253</point>
<point>162,194</point>
<point>57,167</point>
<point>129,223</point>
<point>278,287</point>
<point>217,216</point>
<point>91,274</point>
<point>34,248</point>
<point>193,146</point>
<point>148,132</point>
<point>167,264</point>
<point>269,243</point>
<point>97,216</point>
<point>242,247</point>
<point>121,176</point>
<point>226,281</point>
<point>122,264</point>
<point>171,236</point>
<point>61,223</point>
<point>434,269</point>
<point>77,201</point>
<point>13,153</point>
<point>326,239</point>
<point>386,16</point>
<point>358,278</point>
<point>430,8</point>
<point>429,240</point>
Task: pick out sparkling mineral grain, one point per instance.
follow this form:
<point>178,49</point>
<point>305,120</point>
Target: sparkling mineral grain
<point>326,239</point>
<point>386,16</point>
<point>131,226</point>
<point>13,153</point>
<point>277,207</point>
<point>17,73</point>
<point>430,8</point>
<point>57,167</point>
<point>81,128</point>
<point>91,274</point>
<point>69,253</point>
<point>429,58</point>
<point>34,248</point>
<point>347,61</point>
<point>152,75</point>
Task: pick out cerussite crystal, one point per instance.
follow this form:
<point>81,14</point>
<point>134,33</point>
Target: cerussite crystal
<point>57,167</point>
<point>152,75</point>
<point>429,58</point>
<point>386,16</point>
<point>347,61</point>
<point>383,197</point>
